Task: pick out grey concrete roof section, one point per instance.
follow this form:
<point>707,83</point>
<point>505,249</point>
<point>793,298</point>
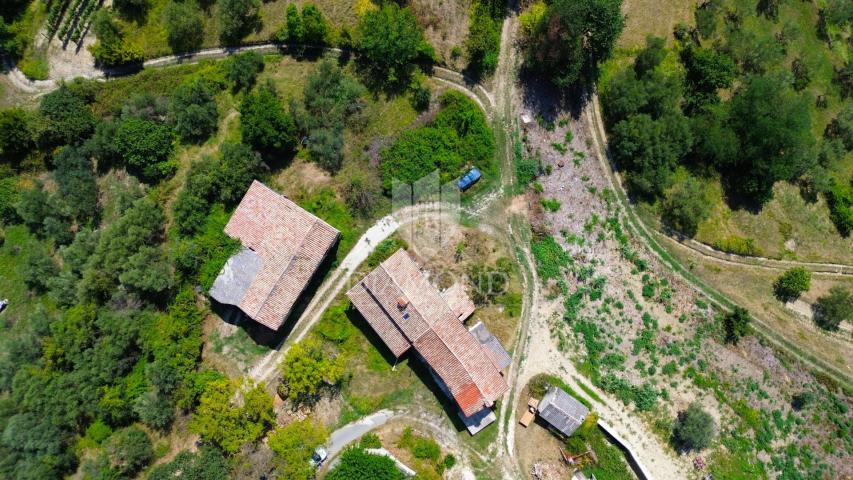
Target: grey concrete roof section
<point>562,411</point>
<point>236,277</point>
<point>487,340</point>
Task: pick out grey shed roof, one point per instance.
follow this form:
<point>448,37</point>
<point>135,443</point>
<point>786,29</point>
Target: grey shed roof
<point>495,351</point>
<point>562,411</point>
<point>236,277</point>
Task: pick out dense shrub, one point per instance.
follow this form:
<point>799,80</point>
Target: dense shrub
<point>75,179</point>
<point>309,27</point>
<point>456,139</point>
<point>294,444</point>
<point>206,464</point>
<point>839,198</point>
<point>15,135</point>
<point>307,369</point>
<point>484,36</point>
<point>229,426</point>
<point>111,49</point>
<point>128,451</point>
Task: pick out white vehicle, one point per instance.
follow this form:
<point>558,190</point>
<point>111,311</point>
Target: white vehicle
<point>319,456</point>
<point>3,304</point>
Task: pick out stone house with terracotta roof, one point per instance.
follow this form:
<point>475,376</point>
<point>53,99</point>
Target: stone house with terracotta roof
<point>409,313</point>
<point>283,245</point>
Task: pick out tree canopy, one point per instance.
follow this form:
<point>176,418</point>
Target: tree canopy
<point>356,464</point>
<point>294,444</point>
<point>184,25</point>
<point>219,421</point>
<point>793,283</point>
<point>146,147</point>
<point>390,41</point>
<point>694,429</point>
<point>264,123</point>
<point>237,18</point>
<point>832,309</point>
<point>573,37</point>
<point>306,369</point>
<point>193,110</point>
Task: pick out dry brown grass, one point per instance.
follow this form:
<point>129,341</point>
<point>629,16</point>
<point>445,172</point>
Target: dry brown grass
<point>445,25</point>
<point>752,288</point>
<point>653,17</point>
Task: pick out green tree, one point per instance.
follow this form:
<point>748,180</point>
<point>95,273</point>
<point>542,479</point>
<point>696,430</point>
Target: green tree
<point>484,38</point>
<point>147,271</point>
<point>650,57</point>
<point>316,29</point>
<point>38,270</point>
<point>131,7</point>
<point>331,98</point>
<point>111,49</point>
<point>774,128</point>
<point>791,284</point>
<point>146,147</point>
<point>686,205</point>
<point>362,194</point>
<point>236,18</point>
<point>716,143</point>
<point>294,31</point>
<point>226,425</point>
<point>75,178</point>
<point>238,166</point>
<point>650,150</point>
<point>694,429</point>
<point>389,41</point>
<point>15,135</point>
<point>306,369</point>
<point>264,123</point>
<point>34,206</point>
<point>707,71</point>
<point>736,324</point>
<point>573,37</point>
<point>129,450</point>
<point>243,69</point>
<point>833,308</point>
<point>193,111</point>
<point>206,464</point>
<point>356,463</point>
<point>70,119</point>
<point>294,443</point>
<point>184,25</point>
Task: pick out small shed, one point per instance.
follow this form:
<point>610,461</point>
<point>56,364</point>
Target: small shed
<point>562,411</point>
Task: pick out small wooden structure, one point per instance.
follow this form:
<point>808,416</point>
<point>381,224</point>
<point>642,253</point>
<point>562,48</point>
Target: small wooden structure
<point>530,413</point>
<point>573,460</point>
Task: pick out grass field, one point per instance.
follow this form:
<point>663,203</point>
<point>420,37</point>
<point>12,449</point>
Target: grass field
<point>653,17</point>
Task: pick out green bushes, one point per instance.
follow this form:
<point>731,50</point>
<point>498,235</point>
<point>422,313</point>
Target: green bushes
<point>457,138</point>
<point>550,204</point>
<point>219,421</point>
<point>243,69</point>
<point>294,444</point>
<point>839,197</point>
<point>736,324</point>
<point>550,257</point>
